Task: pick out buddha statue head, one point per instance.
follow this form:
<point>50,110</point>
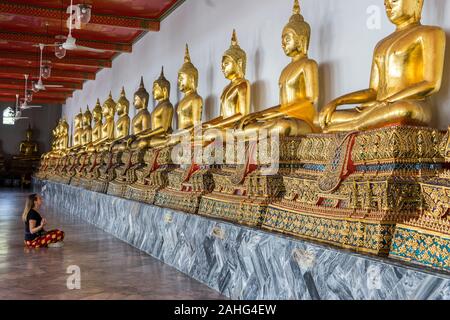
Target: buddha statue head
<point>123,105</point>
<point>109,107</point>
<point>296,34</point>
<point>141,97</point>
<point>234,60</point>
<point>188,75</point>
<point>161,88</point>
<point>29,134</point>
<point>87,118</point>
<point>404,12</point>
<point>97,112</point>
<point>78,120</point>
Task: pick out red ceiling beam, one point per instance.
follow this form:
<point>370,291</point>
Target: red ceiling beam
<point>96,19</point>
<point>55,73</point>
<point>66,61</point>
<point>47,94</point>
<point>35,101</point>
<point>37,38</point>
<point>67,85</point>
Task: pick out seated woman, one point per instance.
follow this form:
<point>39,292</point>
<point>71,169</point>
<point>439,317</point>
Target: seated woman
<point>35,235</point>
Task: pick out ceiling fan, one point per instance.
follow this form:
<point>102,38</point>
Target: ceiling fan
<point>83,13</point>
<point>70,41</point>
<point>39,85</point>
<point>27,97</point>
<point>18,111</point>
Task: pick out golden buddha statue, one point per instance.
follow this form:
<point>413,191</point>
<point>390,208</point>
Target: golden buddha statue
<point>160,119</point>
<point>299,86</point>
<point>86,136</point>
<point>190,107</point>
<point>28,148</point>
<point>98,124</point>
<point>122,124</point>
<point>142,120</point>
<point>235,99</point>
<point>407,69</point>
<point>108,134</point>
<point>78,131</point>
<point>63,143</point>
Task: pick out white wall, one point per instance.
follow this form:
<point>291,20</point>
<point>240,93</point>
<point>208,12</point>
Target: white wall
<point>341,43</point>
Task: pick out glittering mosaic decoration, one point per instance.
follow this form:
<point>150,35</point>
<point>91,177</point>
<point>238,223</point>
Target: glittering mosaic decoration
<point>422,247</point>
<point>350,233</point>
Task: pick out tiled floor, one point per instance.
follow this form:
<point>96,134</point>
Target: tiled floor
<point>110,269</point>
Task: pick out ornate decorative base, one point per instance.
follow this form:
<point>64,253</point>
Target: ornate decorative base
<point>100,186</point>
<point>184,190</point>
<point>242,203</point>
<point>356,233</point>
<point>76,182</point>
<point>85,183</point>
<point>117,189</point>
<point>352,190</point>
<point>179,200</point>
<point>421,246</point>
<point>234,208</point>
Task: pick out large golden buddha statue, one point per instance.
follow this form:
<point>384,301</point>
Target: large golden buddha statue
<point>28,148</point>
<point>235,98</point>
<point>407,69</point>
<point>299,86</point>
<point>160,119</point>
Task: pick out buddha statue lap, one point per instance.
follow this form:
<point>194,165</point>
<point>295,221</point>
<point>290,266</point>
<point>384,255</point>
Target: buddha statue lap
<point>154,176</point>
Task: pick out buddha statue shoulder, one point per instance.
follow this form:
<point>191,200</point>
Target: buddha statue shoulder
<point>108,129</point>
<point>161,117</point>
<point>235,98</point>
<point>407,68</point>
<point>298,83</point>
<point>123,122</point>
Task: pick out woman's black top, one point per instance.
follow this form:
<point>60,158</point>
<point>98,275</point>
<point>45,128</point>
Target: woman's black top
<point>32,215</point>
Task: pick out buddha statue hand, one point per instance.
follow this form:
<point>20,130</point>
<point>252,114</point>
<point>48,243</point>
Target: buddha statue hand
<point>327,113</point>
<point>246,120</point>
<point>130,140</point>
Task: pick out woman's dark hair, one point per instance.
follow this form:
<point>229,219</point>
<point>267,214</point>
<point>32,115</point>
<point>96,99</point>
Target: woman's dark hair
<point>29,204</point>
